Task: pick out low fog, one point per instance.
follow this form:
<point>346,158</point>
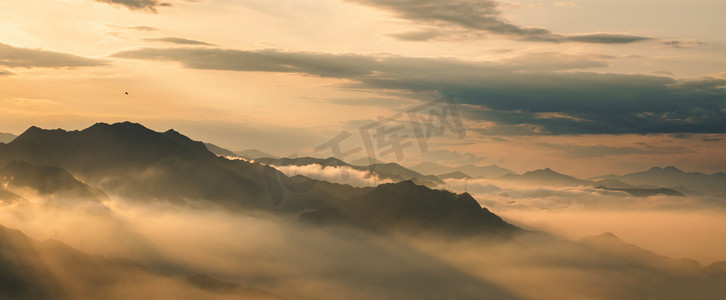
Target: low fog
<point>691,227</point>
<point>338,174</point>
<point>283,256</point>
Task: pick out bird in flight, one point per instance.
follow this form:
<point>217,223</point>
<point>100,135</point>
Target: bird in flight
<point>127,93</point>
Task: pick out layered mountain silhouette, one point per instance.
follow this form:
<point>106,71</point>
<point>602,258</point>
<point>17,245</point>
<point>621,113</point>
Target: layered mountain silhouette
<point>250,154</point>
<point>672,177</point>
<point>444,211</point>
<point>491,171</point>
<point>54,183</point>
<point>392,171</point>
<point>50,269</point>
<point>128,160</point>
<point>454,175</point>
<point>548,177</point>
<point>544,177</point>
<point>6,137</point>
<point>219,150</point>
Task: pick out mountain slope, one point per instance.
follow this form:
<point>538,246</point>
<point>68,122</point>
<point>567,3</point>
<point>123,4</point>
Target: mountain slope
<point>219,150</point>
<point>51,182</point>
<point>53,270</point>
<point>392,171</point>
<point>491,171</point>
<point>544,177</point>
<point>6,137</point>
<point>416,208</point>
<point>251,154</point>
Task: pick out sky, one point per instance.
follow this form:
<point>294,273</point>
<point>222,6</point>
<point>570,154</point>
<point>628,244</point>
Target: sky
<point>583,87</point>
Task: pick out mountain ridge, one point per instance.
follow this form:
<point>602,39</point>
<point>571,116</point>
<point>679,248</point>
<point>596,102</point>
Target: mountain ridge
<point>671,177</point>
<point>131,161</point>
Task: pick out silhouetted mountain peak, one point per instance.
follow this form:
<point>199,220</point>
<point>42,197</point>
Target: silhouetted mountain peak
<point>101,146</point>
<point>454,175</point>
<point>674,170</point>
<point>668,169</point>
<point>609,236</point>
<point>543,172</point>
<point>35,133</point>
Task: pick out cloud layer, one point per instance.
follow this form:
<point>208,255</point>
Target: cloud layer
<point>17,57</point>
<point>483,16</point>
<point>528,94</point>
<point>178,41</point>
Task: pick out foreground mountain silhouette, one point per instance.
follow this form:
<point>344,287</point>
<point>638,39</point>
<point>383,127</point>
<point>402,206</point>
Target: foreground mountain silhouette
<point>50,269</point>
<point>53,183</point>
<point>131,161</point>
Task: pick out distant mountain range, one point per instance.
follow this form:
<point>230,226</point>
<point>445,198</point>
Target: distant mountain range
<point>548,177</point>
<point>6,137</point>
<point>642,184</point>
<point>219,150</point>
<point>131,161</point>
<point>473,171</point>
<point>673,177</point>
<point>249,154</point>
<point>454,175</point>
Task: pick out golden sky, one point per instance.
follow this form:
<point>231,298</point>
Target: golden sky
<point>584,87</point>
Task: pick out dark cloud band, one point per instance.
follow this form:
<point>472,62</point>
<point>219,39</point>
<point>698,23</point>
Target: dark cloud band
<point>520,98</point>
<point>481,15</point>
<point>178,41</point>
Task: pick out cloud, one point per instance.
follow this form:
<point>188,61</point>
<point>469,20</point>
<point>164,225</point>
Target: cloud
<point>140,5</point>
<point>682,43</point>
<point>5,72</point>
<point>319,64</point>
<point>143,28</point>
<point>483,16</point>
<point>341,175</point>
<point>521,98</point>
<point>419,35</point>
<point>606,38</point>
<point>178,41</point>
<point>451,157</point>
<point>558,61</point>
<point>557,115</point>
<point>16,57</point>
<point>577,151</point>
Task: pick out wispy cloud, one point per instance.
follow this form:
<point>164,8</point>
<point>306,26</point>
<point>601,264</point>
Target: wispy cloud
<point>14,57</point>
<point>483,16</point>
<point>178,41</point>
<point>521,98</point>
<point>143,28</point>
<point>139,5</point>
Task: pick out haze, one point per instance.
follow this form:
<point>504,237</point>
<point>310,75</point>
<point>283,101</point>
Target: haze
<point>363,149</point>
